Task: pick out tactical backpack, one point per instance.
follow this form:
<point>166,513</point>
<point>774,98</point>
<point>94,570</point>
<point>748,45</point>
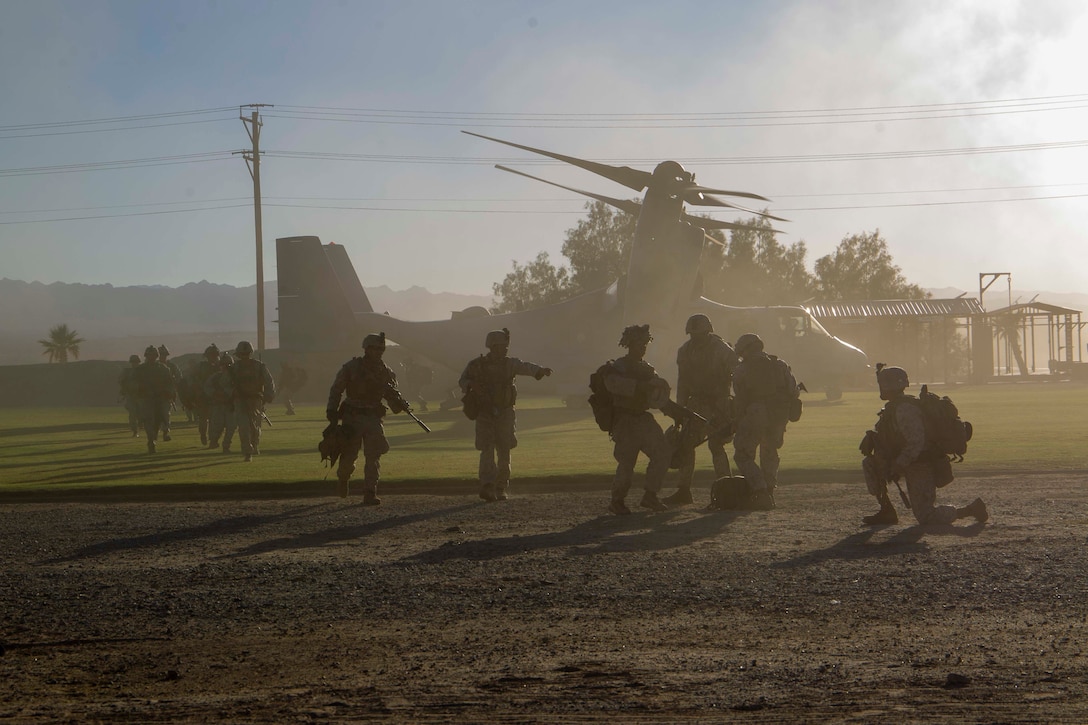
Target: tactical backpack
<point>600,400</point>
<point>947,432</point>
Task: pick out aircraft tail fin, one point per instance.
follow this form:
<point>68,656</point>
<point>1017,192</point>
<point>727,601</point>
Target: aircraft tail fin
<point>319,294</point>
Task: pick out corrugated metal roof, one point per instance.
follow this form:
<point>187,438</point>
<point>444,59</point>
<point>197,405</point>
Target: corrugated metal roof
<point>869,309</point>
<point>1035,308</point>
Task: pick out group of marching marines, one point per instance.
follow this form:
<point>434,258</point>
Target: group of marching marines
<point>724,393</point>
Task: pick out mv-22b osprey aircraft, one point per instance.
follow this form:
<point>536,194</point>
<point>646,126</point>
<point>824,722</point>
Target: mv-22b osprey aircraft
<point>323,307</point>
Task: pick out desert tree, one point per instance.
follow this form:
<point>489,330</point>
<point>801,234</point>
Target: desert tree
<point>61,343</point>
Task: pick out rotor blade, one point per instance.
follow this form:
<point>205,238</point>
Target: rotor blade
<point>706,223</point>
<point>701,200</point>
<point>627,205</point>
<point>704,190</point>
<point>631,178</point>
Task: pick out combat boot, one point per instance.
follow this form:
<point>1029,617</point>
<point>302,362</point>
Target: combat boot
<point>650,501</point>
<point>886,515</point>
<point>151,446</point>
<point>487,492</point>
<point>682,497</point>
<point>248,457</point>
<point>976,508</point>
<point>501,494</point>
<point>342,488</point>
<point>370,496</point>
<point>618,507</point>
<point>204,440</point>
<point>166,436</point>
<point>762,500</point>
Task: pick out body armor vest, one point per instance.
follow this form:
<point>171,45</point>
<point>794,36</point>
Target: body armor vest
<point>367,383</point>
<point>495,378</point>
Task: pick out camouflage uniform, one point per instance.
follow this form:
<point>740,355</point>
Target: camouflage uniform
<point>765,388</point>
<point>155,390</point>
<point>364,382</point>
<point>127,384</point>
<point>635,387</point>
<point>490,378</point>
<point>218,407</point>
<point>705,365</point>
<point>899,446</point>
<point>251,388</point>
<point>176,376</point>
<point>199,401</point>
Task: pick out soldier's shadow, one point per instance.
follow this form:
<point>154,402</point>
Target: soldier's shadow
<point>604,534</point>
<point>353,533</point>
<point>862,545</point>
<point>160,539</point>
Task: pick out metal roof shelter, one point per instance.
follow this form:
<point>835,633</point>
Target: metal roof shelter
<point>931,338</point>
<point>1017,330</point>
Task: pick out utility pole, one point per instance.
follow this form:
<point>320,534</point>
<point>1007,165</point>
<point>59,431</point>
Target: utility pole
<point>253,163</point>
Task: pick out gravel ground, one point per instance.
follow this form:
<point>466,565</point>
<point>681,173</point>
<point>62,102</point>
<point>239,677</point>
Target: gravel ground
<point>544,608</point>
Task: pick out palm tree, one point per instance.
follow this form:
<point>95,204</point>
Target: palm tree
<point>61,343</point>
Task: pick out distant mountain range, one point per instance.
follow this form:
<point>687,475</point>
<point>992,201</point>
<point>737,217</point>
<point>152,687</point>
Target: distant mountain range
<point>118,321</point>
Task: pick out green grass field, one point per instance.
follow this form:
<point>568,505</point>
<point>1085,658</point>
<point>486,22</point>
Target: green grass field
<point>1028,428</point>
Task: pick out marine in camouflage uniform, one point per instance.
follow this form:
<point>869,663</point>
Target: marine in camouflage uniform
<point>251,388</point>
<point>196,382</point>
<point>127,384</point>
<point>765,388</point>
<point>156,391</point>
<point>489,379</point>
<point>175,373</point>
<point>635,388</point>
<point>705,365</point>
<point>900,448</point>
<point>217,396</point>
<point>364,382</point>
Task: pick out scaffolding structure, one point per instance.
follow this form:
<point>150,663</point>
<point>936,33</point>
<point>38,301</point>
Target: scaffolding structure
<point>1022,334</point>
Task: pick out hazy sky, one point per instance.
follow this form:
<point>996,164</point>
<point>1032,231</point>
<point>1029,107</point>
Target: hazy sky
<point>959,129</point>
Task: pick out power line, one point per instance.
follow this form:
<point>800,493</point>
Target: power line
<point>119,164</point>
<point>116,216</point>
<point>691,161</point>
<point>115,119</point>
<point>107,130</point>
<point>573,212</point>
<point>732,119</point>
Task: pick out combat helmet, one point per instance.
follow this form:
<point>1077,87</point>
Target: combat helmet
<point>151,351</point>
<point>211,350</point>
<point>226,360</point>
<point>244,348</point>
<point>748,343</point>
<point>891,377</point>
<point>134,359</point>
<point>497,337</point>
<point>373,340</point>
<point>698,323</point>
<point>163,351</point>
<point>636,335</point>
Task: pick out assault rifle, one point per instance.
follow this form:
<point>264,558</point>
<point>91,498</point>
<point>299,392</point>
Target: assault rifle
<point>265,416</point>
<point>678,412</point>
<point>395,394</point>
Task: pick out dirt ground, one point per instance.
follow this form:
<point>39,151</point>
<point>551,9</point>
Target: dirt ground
<point>544,608</point>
